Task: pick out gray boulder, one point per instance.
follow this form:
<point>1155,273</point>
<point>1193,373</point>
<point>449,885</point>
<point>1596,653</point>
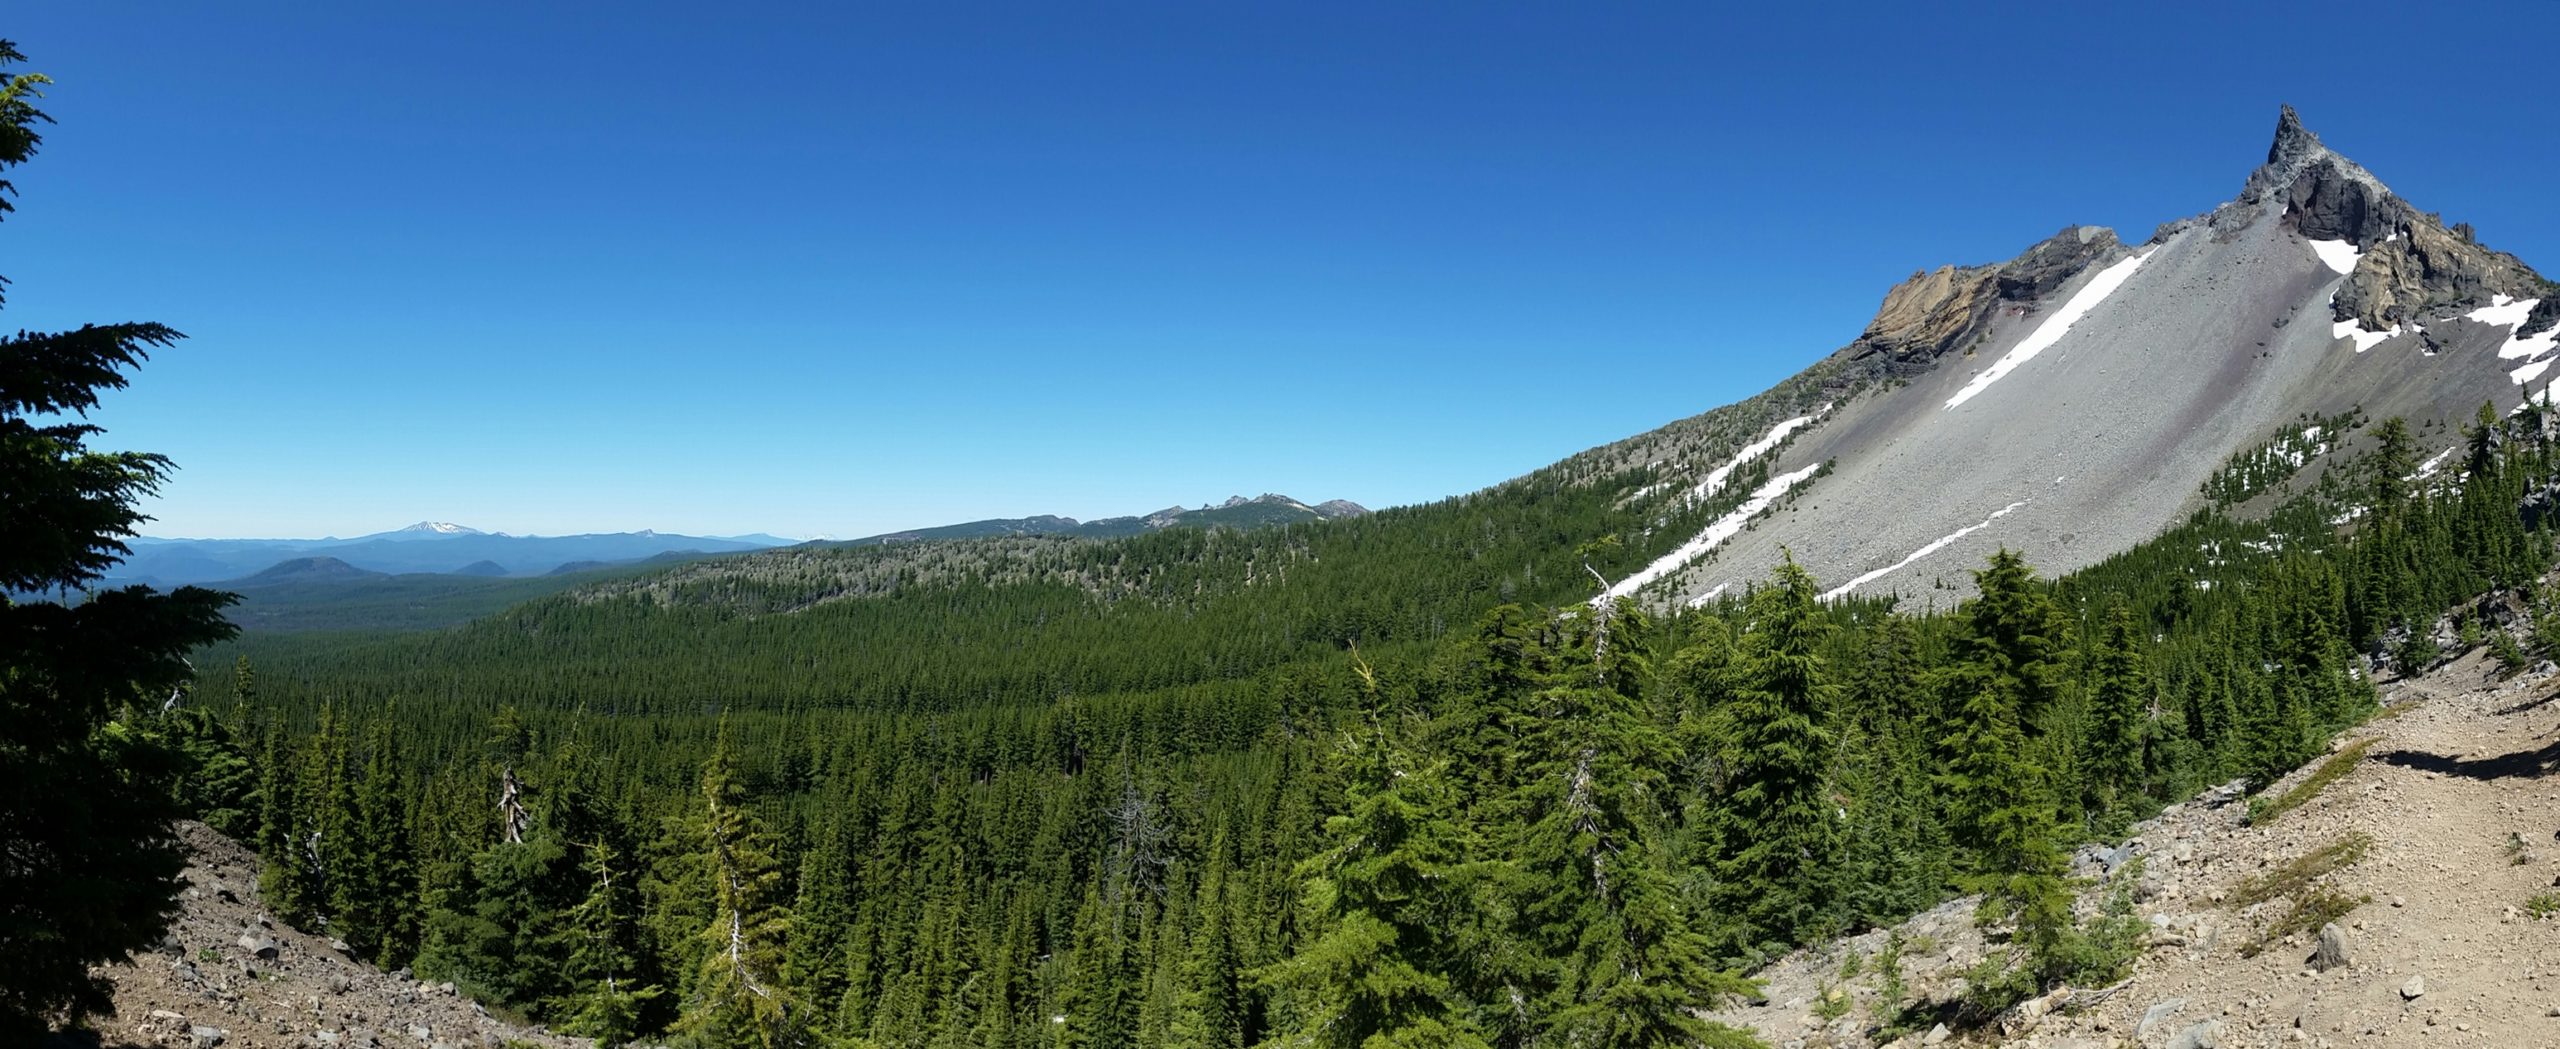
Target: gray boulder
<point>2206,1035</point>
<point>2332,950</point>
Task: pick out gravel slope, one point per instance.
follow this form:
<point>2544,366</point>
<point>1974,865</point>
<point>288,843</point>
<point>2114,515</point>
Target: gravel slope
<point>2217,343</point>
<point>209,985</point>
<point>2466,760</point>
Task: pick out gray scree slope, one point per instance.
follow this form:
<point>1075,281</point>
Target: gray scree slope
<point>2223,335</point>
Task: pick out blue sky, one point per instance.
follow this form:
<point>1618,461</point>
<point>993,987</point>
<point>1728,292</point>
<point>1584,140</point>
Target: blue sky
<point>844,269</point>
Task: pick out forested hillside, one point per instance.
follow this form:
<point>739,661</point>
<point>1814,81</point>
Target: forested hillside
<point>1389,776</point>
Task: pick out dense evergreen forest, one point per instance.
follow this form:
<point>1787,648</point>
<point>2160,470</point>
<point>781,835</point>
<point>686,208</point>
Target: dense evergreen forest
<point>1388,781</point>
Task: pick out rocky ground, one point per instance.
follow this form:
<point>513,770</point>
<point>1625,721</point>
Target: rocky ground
<point>2456,792</point>
<point>229,975</point>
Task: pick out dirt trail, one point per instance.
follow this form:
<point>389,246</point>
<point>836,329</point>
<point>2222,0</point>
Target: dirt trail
<point>213,982</point>
<point>2463,761</point>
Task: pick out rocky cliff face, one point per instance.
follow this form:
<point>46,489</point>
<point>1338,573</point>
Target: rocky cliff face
<point>2409,267</point>
<point>1940,310</point>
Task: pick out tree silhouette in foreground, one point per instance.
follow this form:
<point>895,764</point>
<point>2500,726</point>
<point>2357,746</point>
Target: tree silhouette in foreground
<point>88,867</point>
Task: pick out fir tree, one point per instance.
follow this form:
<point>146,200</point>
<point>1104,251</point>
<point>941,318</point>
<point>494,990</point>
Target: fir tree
<point>1212,1008</point>
<point>602,960</point>
<point>2394,458</point>
<point>369,896</point>
<point>2002,808</point>
<point>738,997</point>
<point>1780,841</point>
<point>1593,885</point>
<point>88,866</point>
<point>2118,711</point>
<point>1374,974</point>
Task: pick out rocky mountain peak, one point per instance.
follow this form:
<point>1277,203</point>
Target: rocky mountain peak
<point>2407,266</point>
<point>2293,141</point>
<point>2347,201</point>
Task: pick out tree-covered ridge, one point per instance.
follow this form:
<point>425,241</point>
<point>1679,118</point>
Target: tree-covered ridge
<point>1024,619</point>
<point>1076,827</point>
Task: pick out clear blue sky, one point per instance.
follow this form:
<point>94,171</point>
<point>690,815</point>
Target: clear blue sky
<point>714,268</point>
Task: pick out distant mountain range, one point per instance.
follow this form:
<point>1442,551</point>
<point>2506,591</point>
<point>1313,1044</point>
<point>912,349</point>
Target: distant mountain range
<point>428,546</point>
<point>437,573</point>
<point>1237,512</point>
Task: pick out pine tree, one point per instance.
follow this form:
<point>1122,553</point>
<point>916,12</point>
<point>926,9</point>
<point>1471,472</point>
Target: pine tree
<point>738,997</point>
<point>2394,458</point>
<point>1780,864</point>
<point>1374,974</point>
<point>88,866</point>
<point>370,896</point>
<point>602,958</point>
<point>2003,813</point>
<point>2119,708</point>
<point>1593,886</point>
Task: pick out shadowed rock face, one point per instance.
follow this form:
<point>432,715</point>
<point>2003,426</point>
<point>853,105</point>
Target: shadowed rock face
<point>2328,204</point>
<point>2412,268</point>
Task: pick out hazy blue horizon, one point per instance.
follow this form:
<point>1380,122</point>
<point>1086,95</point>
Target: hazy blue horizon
<point>595,268</point>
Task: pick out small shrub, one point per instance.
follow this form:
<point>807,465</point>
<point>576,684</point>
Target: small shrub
<point>1889,987</point>
<point>2543,905</point>
<point>1832,1003</point>
<point>2264,810</point>
<point>2546,632</point>
<point>2510,655</point>
<point>2418,653</point>
<point>2515,849</point>
<point>1852,965</point>
<point>2318,905</point>
<point>2294,878</point>
<point>2314,902</point>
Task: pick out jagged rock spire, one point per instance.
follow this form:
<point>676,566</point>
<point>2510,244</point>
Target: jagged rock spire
<point>2293,141</point>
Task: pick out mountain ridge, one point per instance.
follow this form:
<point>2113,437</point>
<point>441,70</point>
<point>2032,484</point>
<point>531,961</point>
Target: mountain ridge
<point>1237,511</point>
<point>2076,399</point>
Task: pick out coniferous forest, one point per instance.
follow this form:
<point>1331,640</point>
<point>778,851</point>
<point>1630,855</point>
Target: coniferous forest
<point>1014,806</point>
<point>1389,781</point>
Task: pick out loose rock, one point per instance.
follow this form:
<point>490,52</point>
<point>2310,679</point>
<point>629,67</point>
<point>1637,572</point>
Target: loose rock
<point>2332,950</point>
<point>2206,1035</point>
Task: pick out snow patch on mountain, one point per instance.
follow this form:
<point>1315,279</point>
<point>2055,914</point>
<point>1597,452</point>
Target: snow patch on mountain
<point>2430,465</point>
<point>2365,338</point>
<point>1940,543</point>
<point>2505,311</point>
<point>2055,327</point>
<point>1716,532</point>
<point>1777,434</point>
<point>2338,255</point>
